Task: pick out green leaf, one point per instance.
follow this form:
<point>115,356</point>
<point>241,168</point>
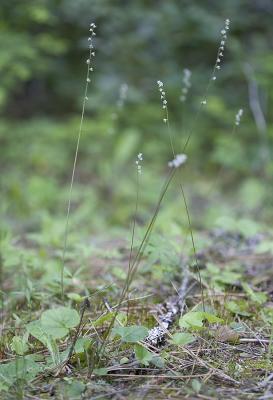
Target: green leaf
<point>21,369</point>
<point>194,319</point>
<point>58,321</point>
<point>264,247</point>
<point>143,355</point>
<point>196,385</point>
<point>74,389</point>
<point>75,297</point>
<point>239,307</point>
<point>19,345</point>
<point>121,317</point>
<point>36,330</point>
<point>212,319</point>
<point>159,362</point>
<point>256,297</point>
<point>131,334</point>
<point>182,338</point>
<point>100,371</point>
<point>81,345</point>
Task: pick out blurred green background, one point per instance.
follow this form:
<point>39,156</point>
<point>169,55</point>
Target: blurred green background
<point>43,52</point>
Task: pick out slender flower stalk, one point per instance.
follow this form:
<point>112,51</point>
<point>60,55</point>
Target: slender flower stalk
<point>177,161</point>
<point>216,68</point>
<point>89,70</point>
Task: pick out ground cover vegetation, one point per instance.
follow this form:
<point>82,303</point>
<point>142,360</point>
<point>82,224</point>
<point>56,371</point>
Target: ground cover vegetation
<point>136,167</point>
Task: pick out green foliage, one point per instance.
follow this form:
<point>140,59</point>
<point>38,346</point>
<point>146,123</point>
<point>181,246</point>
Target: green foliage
<point>131,334</point>
<point>195,319</point>
<point>219,278</point>
<point>256,297</point>
<point>183,338</point>
<point>19,345</point>
<point>239,307</point>
<point>22,369</point>
<point>143,355</point>
<point>58,321</point>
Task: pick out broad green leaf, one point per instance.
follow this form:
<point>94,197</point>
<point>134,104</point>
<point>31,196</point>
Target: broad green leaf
<point>58,321</point>
<point>131,334</point>
<point>36,330</point>
<point>194,319</point>
<point>19,345</point>
<point>143,355</point>
<point>182,338</point>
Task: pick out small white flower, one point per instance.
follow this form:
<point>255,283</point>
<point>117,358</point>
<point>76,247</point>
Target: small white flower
<point>138,162</point>
<point>88,61</point>
<point>177,161</point>
<point>239,116</point>
<point>165,120</point>
<point>203,102</point>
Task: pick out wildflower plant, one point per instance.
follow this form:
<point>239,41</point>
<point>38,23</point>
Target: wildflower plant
<point>219,57</point>
<point>90,69</point>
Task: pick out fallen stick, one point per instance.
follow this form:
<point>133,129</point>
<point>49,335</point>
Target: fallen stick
<point>174,306</point>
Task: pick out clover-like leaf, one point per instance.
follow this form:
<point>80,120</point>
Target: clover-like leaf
<point>58,321</point>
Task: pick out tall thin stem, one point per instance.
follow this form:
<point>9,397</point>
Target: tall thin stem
<point>85,98</point>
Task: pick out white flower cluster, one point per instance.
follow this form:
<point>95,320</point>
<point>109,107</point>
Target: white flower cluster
<point>221,49</point>
<point>177,161</point>
<point>163,98</point>
<point>186,84</point>
<point>91,52</point>
<point>239,116</point>
<point>138,162</point>
<point>122,95</point>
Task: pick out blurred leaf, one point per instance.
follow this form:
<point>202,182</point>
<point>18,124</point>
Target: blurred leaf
<point>131,334</point>
<point>182,338</point>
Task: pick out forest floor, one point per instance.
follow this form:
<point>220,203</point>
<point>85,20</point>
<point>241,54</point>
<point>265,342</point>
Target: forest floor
<point>169,340</point>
